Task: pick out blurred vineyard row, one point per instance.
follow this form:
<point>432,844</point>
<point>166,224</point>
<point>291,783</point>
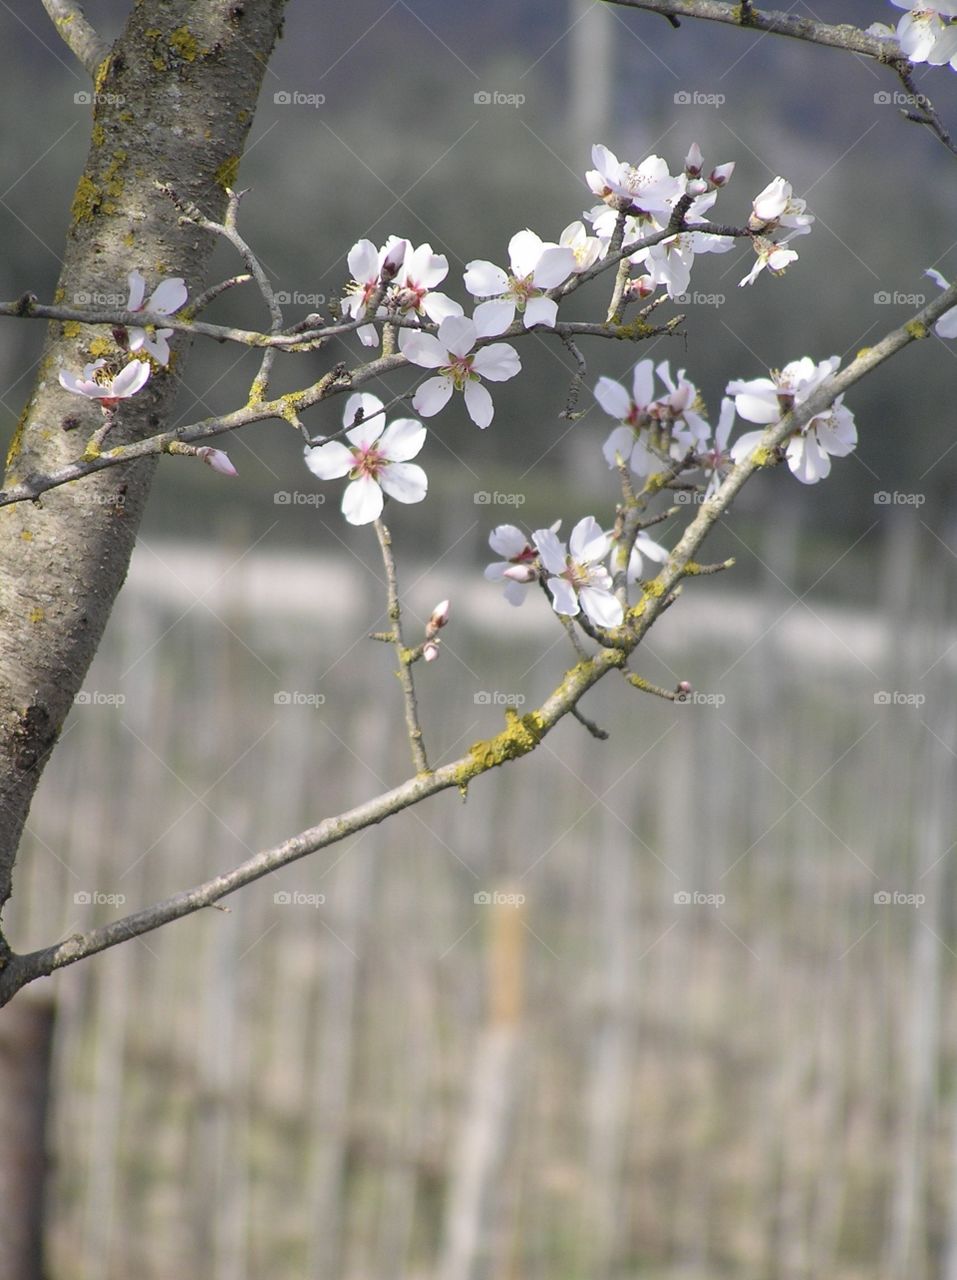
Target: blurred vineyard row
<point>680,1003</point>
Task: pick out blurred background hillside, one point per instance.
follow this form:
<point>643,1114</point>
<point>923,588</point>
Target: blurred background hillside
<point>717,1036</point>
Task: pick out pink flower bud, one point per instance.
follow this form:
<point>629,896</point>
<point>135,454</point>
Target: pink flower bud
<point>393,261</point>
<point>440,616</point>
<point>218,460</point>
<point>694,161</point>
<point>430,650</point>
<point>720,176</point>
<point>683,690</point>
<point>643,287</point>
<point>697,187</point>
<point>520,573</point>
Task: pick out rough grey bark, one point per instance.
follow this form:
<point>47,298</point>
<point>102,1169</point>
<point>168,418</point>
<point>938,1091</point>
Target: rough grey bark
<point>175,101</point>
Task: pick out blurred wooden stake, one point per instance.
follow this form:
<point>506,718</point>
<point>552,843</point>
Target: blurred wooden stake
<point>474,1223</point>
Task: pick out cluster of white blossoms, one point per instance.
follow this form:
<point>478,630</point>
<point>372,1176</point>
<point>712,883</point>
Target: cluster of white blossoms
<point>925,33</point>
<point>396,284</point>
<point>658,434</point>
<point>105,382</point>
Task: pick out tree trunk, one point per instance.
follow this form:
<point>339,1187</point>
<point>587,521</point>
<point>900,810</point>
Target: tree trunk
<point>175,100</point>
<point>26,1037</point>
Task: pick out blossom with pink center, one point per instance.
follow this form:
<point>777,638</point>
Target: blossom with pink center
<point>109,390</point>
<point>537,266</point>
<point>579,581</point>
<point>651,429</point>
<point>517,566</point>
<point>372,270</point>
<point>166,299</point>
<point>414,292</point>
<point>376,459</point>
<point>460,367</point>
<point>645,188</point>
<point>771,256</point>
<point>831,433</point>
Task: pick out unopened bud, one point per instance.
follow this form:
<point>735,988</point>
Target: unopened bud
<point>430,650</point>
<point>694,161</point>
<point>520,573</point>
<point>393,261</point>
<point>683,690</point>
<point>218,460</point>
<point>720,175</point>
<point>643,287</point>
<point>440,616</point>
<point>697,187</point>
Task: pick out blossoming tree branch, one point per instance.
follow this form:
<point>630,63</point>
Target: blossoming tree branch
<point>106,376</point>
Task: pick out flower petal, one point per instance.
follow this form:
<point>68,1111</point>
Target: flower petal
<point>498,363</point>
<point>168,296</point>
<point>137,285</point>
<point>423,349</point>
<point>541,311</point>
<point>402,439</point>
<point>613,398</point>
<point>131,378</point>
<point>554,267</point>
<point>494,317</point>
<point>602,607</point>
<point>484,279</point>
<point>478,402</point>
<point>432,396</point>
<point>458,334</point>
<point>329,461</point>
<point>588,543</point>
<point>362,501</point>
<point>404,481</point>
<point>564,599</point>
<point>551,549</point>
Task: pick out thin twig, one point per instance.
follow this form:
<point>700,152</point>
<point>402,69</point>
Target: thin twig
<point>404,665</point>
